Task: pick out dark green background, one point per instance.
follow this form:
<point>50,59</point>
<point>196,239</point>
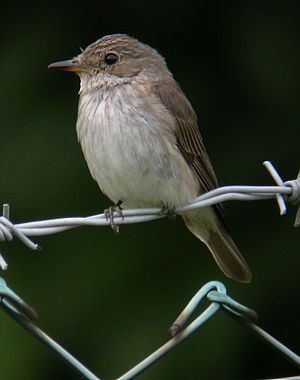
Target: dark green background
<point>110,300</point>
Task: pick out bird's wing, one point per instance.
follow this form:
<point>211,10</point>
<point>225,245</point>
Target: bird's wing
<point>189,140</point>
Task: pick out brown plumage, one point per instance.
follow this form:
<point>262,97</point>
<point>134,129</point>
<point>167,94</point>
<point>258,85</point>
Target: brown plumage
<point>141,141</point>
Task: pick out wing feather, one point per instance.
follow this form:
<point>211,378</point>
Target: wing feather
<point>188,137</point>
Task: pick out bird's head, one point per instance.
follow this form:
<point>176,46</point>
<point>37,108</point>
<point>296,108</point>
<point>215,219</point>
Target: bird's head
<point>115,59</point>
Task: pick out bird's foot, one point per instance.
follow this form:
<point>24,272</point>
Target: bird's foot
<point>109,215</point>
<point>174,329</point>
<point>169,211</point>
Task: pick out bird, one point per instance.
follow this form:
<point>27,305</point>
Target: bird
<point>140,138</point>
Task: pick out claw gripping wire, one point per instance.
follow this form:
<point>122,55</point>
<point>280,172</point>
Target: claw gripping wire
<point>283,191</point>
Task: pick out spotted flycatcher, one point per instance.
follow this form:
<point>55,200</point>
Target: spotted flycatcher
<point>139,136</point>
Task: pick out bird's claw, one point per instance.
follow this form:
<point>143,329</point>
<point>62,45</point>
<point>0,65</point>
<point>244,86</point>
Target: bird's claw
<point>174,329</point>
<point>169,211</point>
<point>109,215</point>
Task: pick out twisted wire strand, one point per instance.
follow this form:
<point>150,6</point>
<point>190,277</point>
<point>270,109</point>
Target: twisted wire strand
<point>283,191</point>
<point>214,291</point>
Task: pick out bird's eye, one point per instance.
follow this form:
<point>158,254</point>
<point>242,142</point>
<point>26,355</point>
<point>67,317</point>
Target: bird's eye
<point>111,59</point>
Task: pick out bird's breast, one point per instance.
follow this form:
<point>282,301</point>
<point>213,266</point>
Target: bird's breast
<point>128,141</point>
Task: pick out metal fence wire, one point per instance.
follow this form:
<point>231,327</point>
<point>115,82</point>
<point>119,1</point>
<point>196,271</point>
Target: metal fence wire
<point>214,291</point>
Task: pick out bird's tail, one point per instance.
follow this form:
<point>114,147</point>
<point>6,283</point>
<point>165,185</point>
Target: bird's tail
<point>218,240</point>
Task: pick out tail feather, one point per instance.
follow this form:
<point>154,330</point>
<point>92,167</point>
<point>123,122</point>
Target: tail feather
<point>228,256</point>
<point>222,247</point>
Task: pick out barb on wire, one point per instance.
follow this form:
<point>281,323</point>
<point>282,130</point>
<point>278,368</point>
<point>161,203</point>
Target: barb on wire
<point>214,291</point>
<point>283,191</point>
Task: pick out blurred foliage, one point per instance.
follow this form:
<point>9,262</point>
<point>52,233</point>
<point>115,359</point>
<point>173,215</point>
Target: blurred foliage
<point>110,300</point>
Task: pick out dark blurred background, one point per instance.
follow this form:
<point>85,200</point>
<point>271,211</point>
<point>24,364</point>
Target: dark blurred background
<point>110,300</point>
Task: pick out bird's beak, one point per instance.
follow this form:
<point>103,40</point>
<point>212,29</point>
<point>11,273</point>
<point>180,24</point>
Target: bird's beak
<point>67,65</point>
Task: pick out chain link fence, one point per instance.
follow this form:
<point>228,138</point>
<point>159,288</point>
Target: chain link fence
<point>214,292</point>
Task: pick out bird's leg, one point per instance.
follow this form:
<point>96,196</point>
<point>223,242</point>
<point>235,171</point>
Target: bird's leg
<point>109,215</point>
<point>169,211</point>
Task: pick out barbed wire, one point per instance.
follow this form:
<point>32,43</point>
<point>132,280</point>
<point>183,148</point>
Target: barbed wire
<point>214,291</point>
<point>289,190</point>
